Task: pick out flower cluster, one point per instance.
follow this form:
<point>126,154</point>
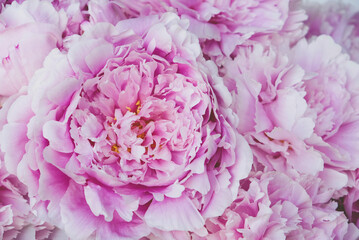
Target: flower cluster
<point>179,119</point>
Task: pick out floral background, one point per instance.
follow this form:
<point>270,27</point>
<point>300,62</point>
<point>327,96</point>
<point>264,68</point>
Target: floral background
<point>178,119</point>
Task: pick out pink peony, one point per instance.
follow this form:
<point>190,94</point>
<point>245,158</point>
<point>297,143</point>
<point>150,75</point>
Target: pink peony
<point>299,114</point>
<point>267,92</point>
<point>114,11</point>
<point>123,135</point>
<point>179,119</point>
<point>339,19</point>
<point>269,108</point>
<point>220,25</point>
<point>272,106</point>
<point>224,24</point>
<point>17,220</point>
<point>29,31</point>
<point>332,94</point>
<point>273,206</point>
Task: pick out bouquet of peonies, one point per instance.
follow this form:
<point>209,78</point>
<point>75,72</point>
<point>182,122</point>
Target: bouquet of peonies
<point>179,119</point>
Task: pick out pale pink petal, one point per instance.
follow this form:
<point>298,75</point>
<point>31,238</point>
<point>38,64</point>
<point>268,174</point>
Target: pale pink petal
<point>174,214</point>
<point>58,136</point>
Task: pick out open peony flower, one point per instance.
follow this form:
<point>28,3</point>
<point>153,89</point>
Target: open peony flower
<point>266,91</point>
<point>123,135</point>
<point>272,107</point>
<point>275,207</point>
<point>224,24</point>
<point>269,108</point>
<point>29,31</point>
<point>114,11</point>
<point>220,25</point>
<point>299,114</point>
<point>332,94</point>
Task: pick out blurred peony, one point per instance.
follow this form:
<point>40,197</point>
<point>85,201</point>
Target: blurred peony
<point>123,134</point>
<point>29,31</point>
<point>225,24</point>
<point>113,11</point>
<point>220,25</point>
<point>273,206</point>
<point>17,220</point>
<point>339,19</point>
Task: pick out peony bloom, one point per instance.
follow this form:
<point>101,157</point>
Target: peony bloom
<point>123,135</point>
<point>294,27</point>
<point>17,220</point>
<point>220,25</point>
<point>272,107</point>
<point>225,24</point>
<point>332,94</point>
<point>114,11</point>
<point>29,31</point>
<point>339,19</point>
<point>300,115</point>
<point>269,108</point>
<point>267,92</point>
<point>273,206</point>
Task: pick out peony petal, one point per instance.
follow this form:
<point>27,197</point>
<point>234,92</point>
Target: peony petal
<point>62,92</point>
<point>333,178</point>
<point>174,214</point>
<point>12,142</point>
<point>20,110</point>
<point>97,57</point>
<point>104,202</point>
<point>58,136</point>
<point>75,212</point>
<point>199,182</point>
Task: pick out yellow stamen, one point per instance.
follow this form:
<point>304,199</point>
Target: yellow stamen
<point>138,109</point>
<point>114,148</point>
